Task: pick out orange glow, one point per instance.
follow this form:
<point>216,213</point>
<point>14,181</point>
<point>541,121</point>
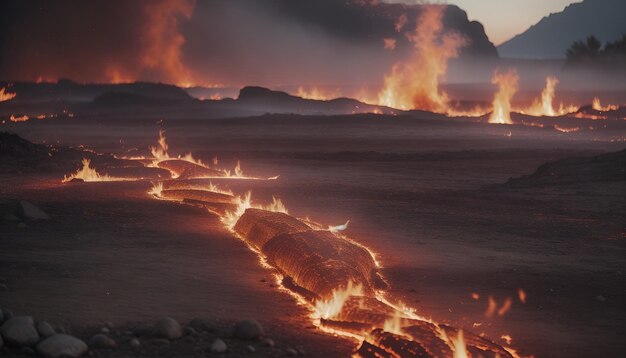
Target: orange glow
<point>316,94</point>
<point>491,307</point>
<point>507,339</point>
<point>6,96</point>
<point>597,105</point>
<point>15,119</point>
<point>521,294</point>
<point>390,44</point>
<point>414,84</point>
<point>475,296</point>
<point>544,106</point>
<point>460,349</point>
<point>566,130</point>
<point>506,306</point>
<point>330,308</point>
<point>88,174</point>
<point>507,83</point>
<point>245,202</point>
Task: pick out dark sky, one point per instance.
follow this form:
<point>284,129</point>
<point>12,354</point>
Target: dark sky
<point>264,42</point>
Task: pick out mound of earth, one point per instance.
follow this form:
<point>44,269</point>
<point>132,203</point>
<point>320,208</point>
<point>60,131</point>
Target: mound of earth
<point>608,167</point>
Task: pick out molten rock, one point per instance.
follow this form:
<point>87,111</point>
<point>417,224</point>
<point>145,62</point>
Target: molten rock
<point>197,195</point>
<point>184,169</point>
<point>248,329</point>
<point>62,345</point>
<point>259,226</point>
<point>20,331</point>
<point>320,262</point>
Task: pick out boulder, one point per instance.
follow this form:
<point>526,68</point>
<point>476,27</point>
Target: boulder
<point>248,329</point>
<point>201,325</point>
<point>167,328</point>
<point>218,346</point>
<point>28,211</point>
<point>62,345</point>
<point>102,341</point>
<point>20,331</point>
<point>45,329</point>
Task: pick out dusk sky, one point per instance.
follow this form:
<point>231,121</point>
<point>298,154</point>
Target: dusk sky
<point>504,19</point>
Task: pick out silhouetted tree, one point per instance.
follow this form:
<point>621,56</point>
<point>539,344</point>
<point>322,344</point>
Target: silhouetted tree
<point>592,54</point>
<point>584,50</point>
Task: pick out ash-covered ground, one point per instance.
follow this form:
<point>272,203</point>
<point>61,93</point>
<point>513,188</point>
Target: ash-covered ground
<point>433,198</point>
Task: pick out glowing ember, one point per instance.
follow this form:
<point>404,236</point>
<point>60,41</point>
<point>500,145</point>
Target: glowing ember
<point>6,96</point>
<point>521,294</point>
<point>460,350</point>
<point>415,83</point>
<point>316,93</point>
<point>88,174</point>
<point>15,119</point>
<point>328,309</point>
<point>507,83</point>
<point>566,130</point>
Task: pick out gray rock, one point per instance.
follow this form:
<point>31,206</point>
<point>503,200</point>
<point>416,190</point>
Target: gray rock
<point>201,325</point>
<point>20,331</point>
<point>102,341</point>
<point>62,345</point>
<point>105,330</point>
<point>248,329</point>
<point>29,211</point>
<point>268,342</point>
<point>250,349</point>
<point>27,351</point>
<point>167,328</point>
<point>45,329</point>
<point>135,344</point>
<point>189,331</point>
<point>291,352</point>
<point>218,346</point>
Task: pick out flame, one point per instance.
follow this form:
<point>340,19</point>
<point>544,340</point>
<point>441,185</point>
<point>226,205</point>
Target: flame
<point>88,174</point>
<point>460,349</point>
<point>491,307</point>
<point>156,189</point>
<point>596,105</point>
<point>394,324</point>
<point>330,308</point>
<point>507,338</point>
<point>506,306</point>
<point>316,94</point>
<point>338,228</point>
<point>415,83</point>
<point>245,202</point>
<point>15,119</point>
<point>544,106</point>
<point>521,294</point>
<point>507,83</point>
<point>475,296</point>
<point>6,96</point>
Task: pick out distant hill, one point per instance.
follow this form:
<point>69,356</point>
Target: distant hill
<point>550,37</point>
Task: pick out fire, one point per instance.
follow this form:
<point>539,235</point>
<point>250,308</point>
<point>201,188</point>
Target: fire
<point>89,174</point>
<point>506,306</point>
<point>327,309</point>
<point>507,83</point>
<point>245,202</point>
<point>507,338</point>
<point>15,119</point>
<point>544,106</point>
<point>6,96</point>
<point>316,93</point>
<point>460,350</point>
<point>521,294</point>
<point>415,83</point>
<point>338,228</point>
<point>597,105</point>
<point>156,189</point>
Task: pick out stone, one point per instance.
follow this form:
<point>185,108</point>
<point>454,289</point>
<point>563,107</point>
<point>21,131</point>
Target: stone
<point>109,325</point>
<point>189,331</point>
<point>201,325</point>
<point>250,349</point>
<point>62,345</point>
<point>20,331</point>
<point>291,352</point>
<point>22,225</point>
<point>268,342</point>
<point>28,211</point>
<point>248,329</point>
<point>167,328</point>
<point>45,329</point>
<point>135,343</point>
<point>218,346</point>
<point>102,341</point>
<point>27,351</point>
<point>8,314</point>
<point>105,330</point>
<point>11,217</point>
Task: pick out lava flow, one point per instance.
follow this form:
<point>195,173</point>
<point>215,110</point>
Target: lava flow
<point>89,174</point>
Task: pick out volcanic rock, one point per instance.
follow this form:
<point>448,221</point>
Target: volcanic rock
<point>167,328</point>
<point>218,346</point>
<point>62,345</point>
<point>102,341</point>
<point>135,343</point>
<point>201,325</point>
<point>29,211</point>
<point>248,329</point>
<point>259,226</point>
<point>250,349</point>
<point>45,329</point>
<point>20,331</point>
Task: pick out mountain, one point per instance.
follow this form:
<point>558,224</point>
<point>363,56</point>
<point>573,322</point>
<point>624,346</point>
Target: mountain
<point>550,37</point>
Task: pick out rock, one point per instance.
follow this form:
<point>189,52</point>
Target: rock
<point>102,341</point>
<point>8,314</point>
<point>201,325</point>
<point>45,329</point>
<point>62,345</point>
<point>301,351</point>
<point>29,211</point>
<point>248,329</point>
<point>135,344</point>
<point>20,331</point>
<point>109,325</point>
<point>218,346</point>
<point>161,341</point>
<point>291,352</point>
<point>143,330</point>
<point>167,328</point>
<point>189,331</point>
<point>105,330</point>
<point>27,351</point>
<point>268,342</point>
<point>250,349</point>
<point>10,217</point>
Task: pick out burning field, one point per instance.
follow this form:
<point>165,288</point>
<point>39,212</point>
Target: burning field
<point>399,211</point>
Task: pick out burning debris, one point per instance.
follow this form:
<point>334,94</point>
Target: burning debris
<point>89,174</point>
